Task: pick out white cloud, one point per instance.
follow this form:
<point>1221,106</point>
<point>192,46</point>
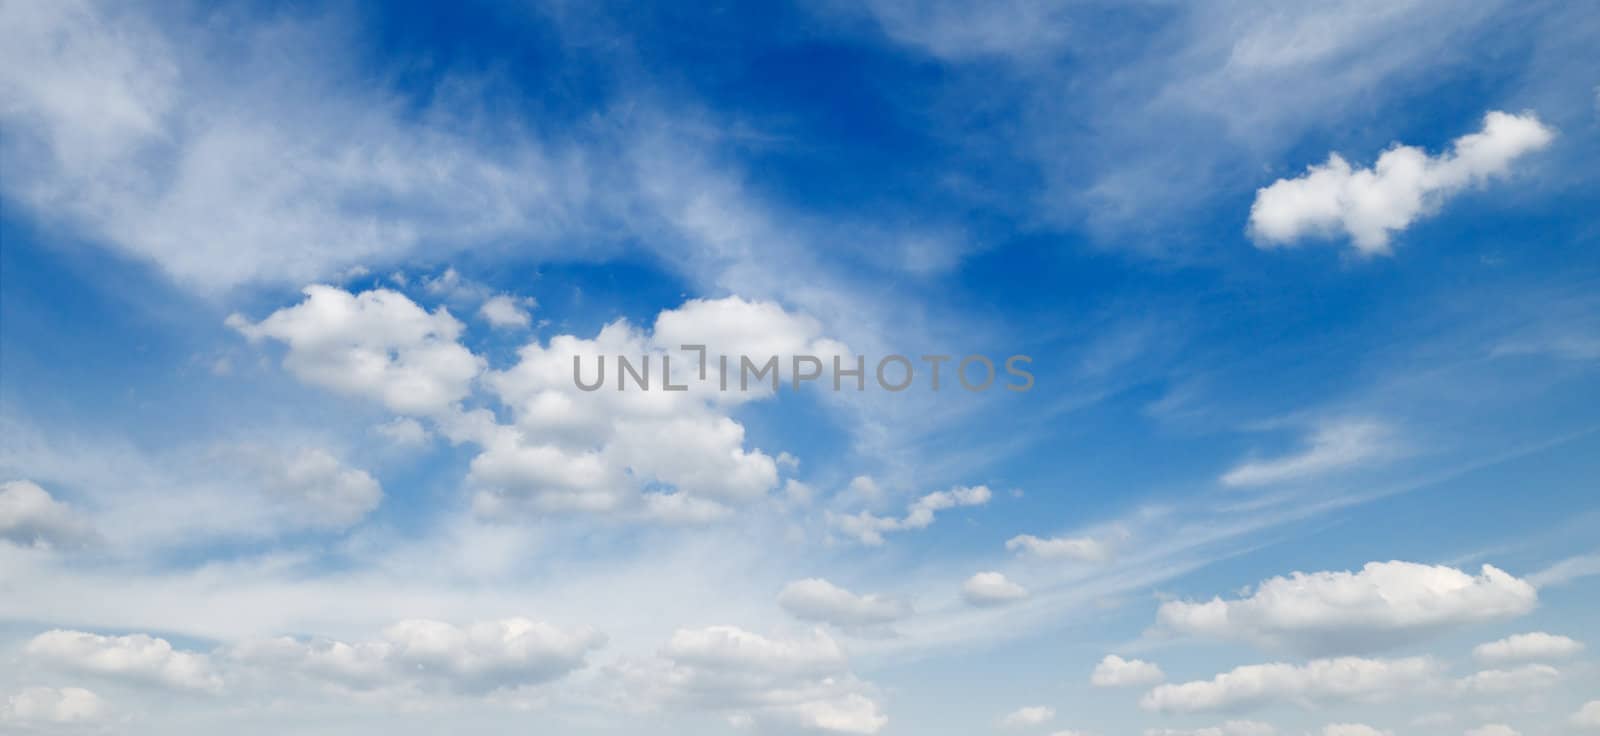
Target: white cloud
<point>49,705</point>
<point>1493,729</point>
<point>405,432</point>
<point>505,311</point>
<point>1229,728</point>
<point>869,528</point>
<point>377,344</point>
<point>1332,447</point>
<point>801,682</point>
<point>137,658</point>
<point>1032,715</point>
<point>229,156</point>
<point>815,599</point>
<point>991,589</point>
<point>1405,184</point>
<point>1353,729</point>
<point>316,490</point>
<point>1588,716</point>
<point>571,449</point>
<point>1317,681</point>
<point>1083,549</point>
<point>1532,646</point>
<point>31,517</point>
<point>1384,604</point>
<point>1519,679</point>
<point>426,655</point>
<point>1114,671</point>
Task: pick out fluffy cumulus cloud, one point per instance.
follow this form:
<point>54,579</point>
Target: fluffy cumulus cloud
<point>506,312</point>
<point>869,528</point>
<point>815,599</point>
<point>1228,728</point>
<point>31,517</point>
<point>991,589</point>
<point>428,656</point>
<point>801,682</point>
<point>1332,447</point>
<point>315,490</point>
<point>658,454</point>
<point>1528,677</point>
<point>572,449</point>
<point>1405,184</point>
<point>1082,549</point>
<point>1114,671</point>
<point>1336,680</point>
<point>1382,605</point>
<point>1032,715</point>
<point>136,658</point>
<point>404,432</point>
<point>1588,716</point>
<point>377,344</point>
<point>44,706</point>
<point>1529,647</point>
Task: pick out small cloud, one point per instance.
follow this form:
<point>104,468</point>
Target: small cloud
<point>1032,715</point>
<point>504,311</point>
<point>404,431</point>
<point>1533,646</point>
<point>991,589</point>
<point>1405,184</point>
<point>31,517</point>
<point>1082,549</point>
<point>816,599</point>
<point>1114,671</point>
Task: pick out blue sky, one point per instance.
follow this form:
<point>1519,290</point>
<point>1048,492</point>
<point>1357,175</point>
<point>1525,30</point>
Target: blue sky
<point>289,297</point>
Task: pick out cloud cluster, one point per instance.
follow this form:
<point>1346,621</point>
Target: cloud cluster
<point>46,706</point>
<point>665,455</point>
<point>869,528</point>
<point>815,599</point>
<point>1528,677</point>
<point>422,655</point>
<point>377,344</point>
<point>1405,184</point>
<point>1336,680</point>
<point>1382,605</point>
<point>992,589</point>
<point>504,311</point>
<point>1532,646</point>
<point>31,517</point>
<point>802,682</point>
<point>1032,715</point>
<point>136,658</point>
<point>1114,671</point>
<point>572,449</point>
<point>1082,549</point>
<point>316,490</point>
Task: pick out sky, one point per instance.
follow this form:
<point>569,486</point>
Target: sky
<point>1293,314</point>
